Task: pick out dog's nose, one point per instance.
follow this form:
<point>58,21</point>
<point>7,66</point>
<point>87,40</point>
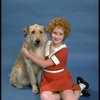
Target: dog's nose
<point>37,41</point>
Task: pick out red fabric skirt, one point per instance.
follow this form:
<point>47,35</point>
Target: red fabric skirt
<point>57,82</point>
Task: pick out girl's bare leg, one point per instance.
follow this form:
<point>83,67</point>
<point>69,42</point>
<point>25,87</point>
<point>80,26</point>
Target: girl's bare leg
<point>70,94</point>
<point>48,95</point>
<point>77,93</point>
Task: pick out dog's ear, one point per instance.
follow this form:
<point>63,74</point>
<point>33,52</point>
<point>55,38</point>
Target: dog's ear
<point>26,29</point>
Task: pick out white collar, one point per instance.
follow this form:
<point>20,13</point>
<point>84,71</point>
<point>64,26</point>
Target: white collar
<point>47,53</point>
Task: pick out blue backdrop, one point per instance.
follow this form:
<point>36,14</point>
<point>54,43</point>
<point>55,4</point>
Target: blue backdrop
<point>82,42</point>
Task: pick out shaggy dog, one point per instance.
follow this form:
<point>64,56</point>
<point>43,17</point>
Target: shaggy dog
<point>24,71</point>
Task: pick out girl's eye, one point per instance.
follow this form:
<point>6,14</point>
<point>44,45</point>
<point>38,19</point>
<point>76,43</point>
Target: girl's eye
<point>33,32</point>
<point>61,34</point>
<point>54,33</point>
<point>41,32</point>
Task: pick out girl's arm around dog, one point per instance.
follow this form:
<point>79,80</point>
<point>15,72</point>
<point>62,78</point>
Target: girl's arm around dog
<point>42,63</point>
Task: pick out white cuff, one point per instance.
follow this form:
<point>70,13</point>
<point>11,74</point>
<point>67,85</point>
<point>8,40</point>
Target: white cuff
<point>55,60</point>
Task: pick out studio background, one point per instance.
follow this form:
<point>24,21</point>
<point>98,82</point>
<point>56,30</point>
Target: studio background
<point>82,42</point>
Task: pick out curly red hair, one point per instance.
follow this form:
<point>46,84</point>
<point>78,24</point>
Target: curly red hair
<point>61,22</point>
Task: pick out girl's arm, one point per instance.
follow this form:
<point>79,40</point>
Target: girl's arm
<point>42,63</point>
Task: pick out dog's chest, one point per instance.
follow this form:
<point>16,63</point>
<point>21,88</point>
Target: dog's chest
<point>38,53</point>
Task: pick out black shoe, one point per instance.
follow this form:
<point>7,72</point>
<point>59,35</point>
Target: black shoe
<point>81,80</point>
<point>85,93</point>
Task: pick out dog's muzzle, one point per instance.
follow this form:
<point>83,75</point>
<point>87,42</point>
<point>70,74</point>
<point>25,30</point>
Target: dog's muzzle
<point>37,43</point>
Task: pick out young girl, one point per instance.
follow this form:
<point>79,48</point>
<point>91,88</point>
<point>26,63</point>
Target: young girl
<point>57,83</point>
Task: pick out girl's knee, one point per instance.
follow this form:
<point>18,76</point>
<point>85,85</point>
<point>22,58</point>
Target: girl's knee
<point>68,95</point>
<point>45,96</point>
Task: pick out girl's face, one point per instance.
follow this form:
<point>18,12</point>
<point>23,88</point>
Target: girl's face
<point>57,35</point>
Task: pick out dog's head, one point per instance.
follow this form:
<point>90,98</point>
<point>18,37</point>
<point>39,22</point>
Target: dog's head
<point>36,35</point>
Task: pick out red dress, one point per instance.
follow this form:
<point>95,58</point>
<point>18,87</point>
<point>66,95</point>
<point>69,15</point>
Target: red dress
<point>53,80</point>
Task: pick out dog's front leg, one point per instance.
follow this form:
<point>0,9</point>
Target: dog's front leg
<point>39,77</point>
<point>31,76</point>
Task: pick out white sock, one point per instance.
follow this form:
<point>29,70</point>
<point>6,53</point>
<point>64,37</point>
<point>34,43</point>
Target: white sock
<point>82,86</point>
<point>81,94</point>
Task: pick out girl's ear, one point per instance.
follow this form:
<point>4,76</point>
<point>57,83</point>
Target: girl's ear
<point>26,29</point>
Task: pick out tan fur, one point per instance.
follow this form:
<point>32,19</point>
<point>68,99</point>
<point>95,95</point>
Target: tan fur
<point>24,71</point>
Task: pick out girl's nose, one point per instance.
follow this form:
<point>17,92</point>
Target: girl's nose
<point>57,35</point>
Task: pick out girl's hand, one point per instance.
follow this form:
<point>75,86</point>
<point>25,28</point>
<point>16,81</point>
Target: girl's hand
<point>25,51</point>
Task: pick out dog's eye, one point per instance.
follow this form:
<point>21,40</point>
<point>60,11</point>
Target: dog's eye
<point>33,32</point>
<point>41,32</point>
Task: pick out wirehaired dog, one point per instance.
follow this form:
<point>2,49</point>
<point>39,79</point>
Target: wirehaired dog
<point>24,71</point>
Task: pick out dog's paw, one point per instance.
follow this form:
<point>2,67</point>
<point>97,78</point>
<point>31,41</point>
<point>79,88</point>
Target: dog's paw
<point>35,89</point>
<point>16,86</point>
<point>19,86</point>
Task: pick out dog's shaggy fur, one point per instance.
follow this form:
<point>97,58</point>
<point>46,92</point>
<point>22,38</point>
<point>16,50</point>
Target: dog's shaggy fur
<point>24,71</point>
